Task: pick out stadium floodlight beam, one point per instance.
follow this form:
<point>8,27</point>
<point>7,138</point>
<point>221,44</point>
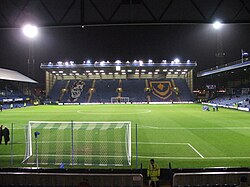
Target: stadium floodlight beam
<point>217,25</point>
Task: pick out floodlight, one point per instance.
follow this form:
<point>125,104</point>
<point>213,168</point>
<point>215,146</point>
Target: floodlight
<point>30,31</point>
<point>217,25</point>
<point>188,61</point>
<point>150,61</point>
<point>88,62</point>
<point>118,68</point>
<point>177,60</point>
<point>118,62</point>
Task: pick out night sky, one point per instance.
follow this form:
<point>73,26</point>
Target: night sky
<point>194,42</point>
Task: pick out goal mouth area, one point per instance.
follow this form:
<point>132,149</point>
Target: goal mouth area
<point>78,143</point>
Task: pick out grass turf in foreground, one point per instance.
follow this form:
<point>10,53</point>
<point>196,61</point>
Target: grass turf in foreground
<point>181,134</point>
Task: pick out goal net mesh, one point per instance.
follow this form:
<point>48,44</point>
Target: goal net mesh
<point>78,143</point>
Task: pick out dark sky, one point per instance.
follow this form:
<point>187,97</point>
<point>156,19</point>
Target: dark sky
<point>194,42</point>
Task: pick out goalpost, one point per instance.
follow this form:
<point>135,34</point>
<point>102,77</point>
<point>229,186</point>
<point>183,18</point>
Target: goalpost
<point>119,99</point>
<point>78,143</point>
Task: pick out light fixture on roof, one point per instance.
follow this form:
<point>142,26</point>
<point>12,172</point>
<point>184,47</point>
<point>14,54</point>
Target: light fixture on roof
<point>88,62</point>
<point>127,62</point>
<point>71,62</point>
<point>102,63</point>
<point>59,63</point>
<point>188,61</point>
<point>164,61</point>
<point>150,61</point>
<point>66,63</point>
<point>118,62</point>
<point>176,60</point>
<point>118,68</point>
<point>140,62</point>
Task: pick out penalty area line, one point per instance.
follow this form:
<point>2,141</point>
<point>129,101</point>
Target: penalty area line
<point>196,150</point>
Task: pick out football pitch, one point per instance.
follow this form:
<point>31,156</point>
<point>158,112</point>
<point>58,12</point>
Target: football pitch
<point>181,134</point>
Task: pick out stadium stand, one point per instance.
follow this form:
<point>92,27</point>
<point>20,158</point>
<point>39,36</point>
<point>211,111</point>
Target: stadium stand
<point>233,101</point>
<point>101,91</point>
<point>104,90</point>
<point>134,89</point>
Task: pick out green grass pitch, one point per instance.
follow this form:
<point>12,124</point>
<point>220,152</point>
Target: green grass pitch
<point>182,134</point>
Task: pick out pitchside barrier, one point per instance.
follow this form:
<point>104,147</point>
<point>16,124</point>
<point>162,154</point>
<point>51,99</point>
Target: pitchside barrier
<point>34,179</point>
<point>78,143</point>
<point>208,178</point>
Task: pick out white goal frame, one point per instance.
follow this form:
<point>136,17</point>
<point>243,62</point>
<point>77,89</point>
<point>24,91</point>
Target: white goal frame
<point>127,125</point>
<point>122,99</point>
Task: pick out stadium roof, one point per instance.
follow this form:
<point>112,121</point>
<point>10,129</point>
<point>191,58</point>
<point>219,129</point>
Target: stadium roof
<point>129,12</point>
<point>11,75</point>
<point>223,68</point>
<point>126,68</point>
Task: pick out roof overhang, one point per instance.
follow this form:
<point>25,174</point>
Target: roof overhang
<point>125,68</point>
<point>11,75</point>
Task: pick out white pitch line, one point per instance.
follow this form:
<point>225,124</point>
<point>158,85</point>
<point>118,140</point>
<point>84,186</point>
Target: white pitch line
<point>195,150</point>
<point>193,158</point>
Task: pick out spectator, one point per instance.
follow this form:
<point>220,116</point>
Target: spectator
<point>6,135</point>
<point>243,182</point>
<point>153,173</point>
<point>1,134</point>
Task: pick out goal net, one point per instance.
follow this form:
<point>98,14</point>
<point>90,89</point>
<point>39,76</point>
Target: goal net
<point>119,99</point>
<point>78,143</point>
